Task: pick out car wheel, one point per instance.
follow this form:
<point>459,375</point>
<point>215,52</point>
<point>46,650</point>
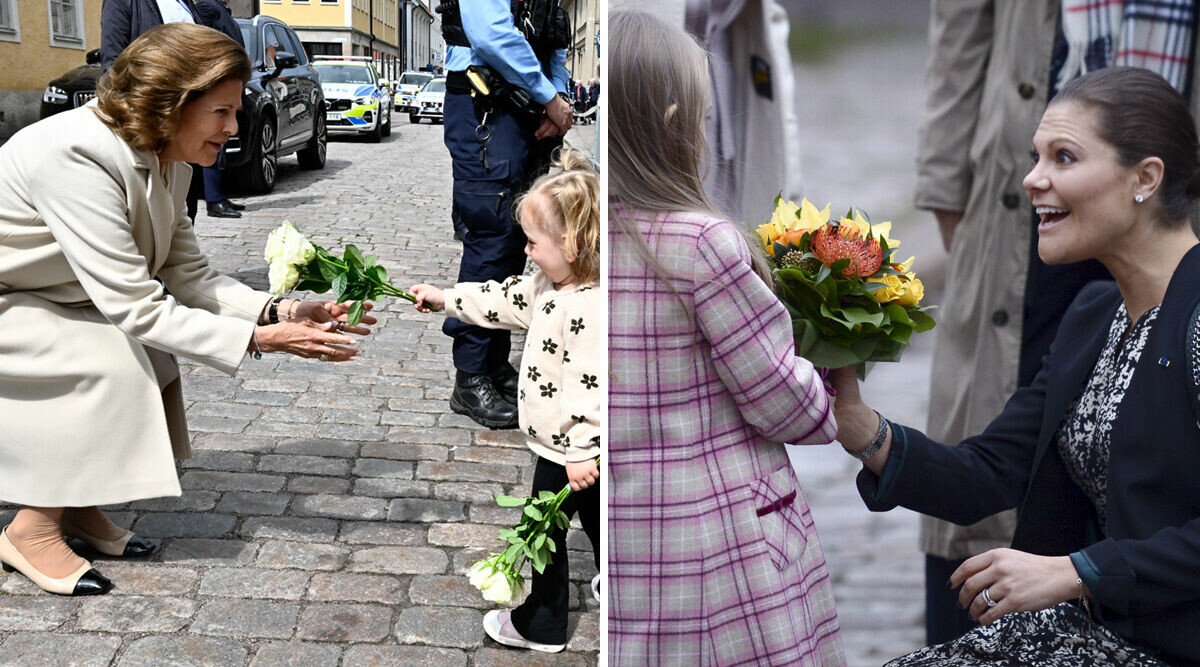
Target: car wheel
<point>312,156</point>
<point>387,129</point>
<point>259,176</point>
<point>414,119</point>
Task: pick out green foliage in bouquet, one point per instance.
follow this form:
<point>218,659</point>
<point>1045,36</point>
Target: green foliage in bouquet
<point>850,302</point>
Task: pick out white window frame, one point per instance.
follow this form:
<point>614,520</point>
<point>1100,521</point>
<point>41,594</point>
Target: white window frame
<point>78,41</point>
<point>10,31</point>
<point>329,2</point>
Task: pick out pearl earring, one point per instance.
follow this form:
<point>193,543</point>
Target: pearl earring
<point>1138,198</point>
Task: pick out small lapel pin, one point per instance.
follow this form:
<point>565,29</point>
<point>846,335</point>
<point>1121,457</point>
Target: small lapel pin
<point>1164,362</point>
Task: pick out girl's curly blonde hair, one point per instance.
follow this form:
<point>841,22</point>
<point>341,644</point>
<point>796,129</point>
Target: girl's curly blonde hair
<point>573,194</point>
<point>141,96</point>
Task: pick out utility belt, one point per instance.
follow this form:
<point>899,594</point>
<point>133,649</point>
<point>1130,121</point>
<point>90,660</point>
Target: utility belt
<point>490,92</point>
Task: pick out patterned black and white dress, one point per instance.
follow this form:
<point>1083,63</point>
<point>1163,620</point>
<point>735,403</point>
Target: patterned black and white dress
<point>1064,635</point>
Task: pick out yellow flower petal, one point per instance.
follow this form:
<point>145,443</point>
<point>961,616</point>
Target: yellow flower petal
<point>810,217</point>
<point>913,293</point>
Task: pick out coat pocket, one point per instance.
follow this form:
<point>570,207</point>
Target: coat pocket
<point>779,504</point>
<point>483,206</point>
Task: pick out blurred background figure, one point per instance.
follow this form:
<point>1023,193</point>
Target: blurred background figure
<point>206,181</point>
<point>752,131</point>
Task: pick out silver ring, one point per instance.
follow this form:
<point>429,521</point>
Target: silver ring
<point>324,357</point>
<point>987,599</point>
<point>341,326</point>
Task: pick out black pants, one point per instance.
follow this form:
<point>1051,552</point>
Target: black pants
<point>484,193</point>
<point>542,617</point>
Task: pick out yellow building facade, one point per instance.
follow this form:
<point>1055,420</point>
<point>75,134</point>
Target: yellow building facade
<point>344,28</point>
<point>583,58</point>
<point>39,41</point>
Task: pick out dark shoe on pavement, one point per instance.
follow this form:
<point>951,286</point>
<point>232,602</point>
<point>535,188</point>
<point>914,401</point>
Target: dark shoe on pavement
<point>234,206</point>
<point>222,209</point>
<point>476,397</point>
<point>506,379</point>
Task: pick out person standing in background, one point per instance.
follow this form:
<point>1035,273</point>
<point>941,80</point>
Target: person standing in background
<point>992,69</point>
<point>122,21</point>
<point>216,15</point>
<point>753,131</point>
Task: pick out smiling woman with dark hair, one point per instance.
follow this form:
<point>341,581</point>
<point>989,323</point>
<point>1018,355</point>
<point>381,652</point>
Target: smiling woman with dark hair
<point>1100,453</point>
<point>102,282</point>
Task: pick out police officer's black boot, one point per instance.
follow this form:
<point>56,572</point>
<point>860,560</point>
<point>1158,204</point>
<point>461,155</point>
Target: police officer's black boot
<point>476,397</point>
<point>505,379</point>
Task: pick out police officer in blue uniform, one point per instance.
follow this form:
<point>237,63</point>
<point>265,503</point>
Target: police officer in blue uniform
<point>505,110</point>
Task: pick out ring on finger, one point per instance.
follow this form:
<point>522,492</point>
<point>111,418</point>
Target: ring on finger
<point>987,599</point>
<point>324,357</point>
<point>341,326</point>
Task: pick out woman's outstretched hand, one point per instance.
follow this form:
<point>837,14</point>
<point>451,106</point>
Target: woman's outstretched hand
<point>309,339</point>
<point>1015,581</point>
<point>429,298</point>
<point>323,312</point>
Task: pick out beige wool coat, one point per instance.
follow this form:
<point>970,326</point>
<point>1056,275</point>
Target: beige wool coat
<point>986,88</point>
<point>91,411</point>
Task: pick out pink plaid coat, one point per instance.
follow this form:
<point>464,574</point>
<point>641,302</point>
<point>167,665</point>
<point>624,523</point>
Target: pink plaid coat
<point>713,556</point>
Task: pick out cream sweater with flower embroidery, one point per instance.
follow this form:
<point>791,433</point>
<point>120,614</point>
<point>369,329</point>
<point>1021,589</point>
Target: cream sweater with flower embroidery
<point>564,362</point>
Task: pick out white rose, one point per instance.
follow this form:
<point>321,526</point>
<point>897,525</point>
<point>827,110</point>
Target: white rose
<point>283,277</point>
<point>274,248</point>
<point>479,572</point>
<point>500,587</point>
<point>297,250</point>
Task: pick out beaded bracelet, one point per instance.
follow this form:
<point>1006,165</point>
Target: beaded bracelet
<point>873,448</point>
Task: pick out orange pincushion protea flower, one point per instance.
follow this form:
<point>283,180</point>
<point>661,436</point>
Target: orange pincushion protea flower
<point>831,244</point>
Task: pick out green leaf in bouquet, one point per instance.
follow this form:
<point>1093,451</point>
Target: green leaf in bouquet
<point>780,251</point>
<point>370,261</point>
<point>921,320</point>
<point>377,272</point>
<point>508,535</point>
<point>836,318</point>
<point>339,287</point>
<point>354,317</point>
<point>545,495</point>
<point>887,270</point>
<point>329,271</point>
<point>354,256</point>
<point>533,513</point>
<point>510,554</point>
<point>874,286</point>
<point>507,501</point>
<point>539,541</point>
<point>898,313</point>
<point>550,546</point>
<point>839,267</point>
<point>832,355</point>
<point>315,286</point>
<point>899,333</point>
<point>539,562</point>
<point>860,316</point>
<point>562,520</point>
<point>888,350</point>
<point>823,273</point>
<point>805,334</point>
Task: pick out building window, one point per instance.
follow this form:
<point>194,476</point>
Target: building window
<point>329,2</point>
<point>10,27</point>
<point>66,23</point>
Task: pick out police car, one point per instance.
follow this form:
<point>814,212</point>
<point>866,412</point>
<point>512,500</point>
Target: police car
<point>406,90</point>
<point>357,101</point>
<point>429,101</point>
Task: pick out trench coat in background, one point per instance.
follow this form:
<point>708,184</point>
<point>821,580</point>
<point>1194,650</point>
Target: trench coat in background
<point>986,88</point>
<point>91,410</point>
<point>753,131</point>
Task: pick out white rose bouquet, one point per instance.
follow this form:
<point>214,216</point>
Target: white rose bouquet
<point>498,576</point>
<point>297,263</point>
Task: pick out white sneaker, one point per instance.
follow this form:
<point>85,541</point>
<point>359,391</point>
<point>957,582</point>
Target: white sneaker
<point>596,587</point>
<point>498,625</point>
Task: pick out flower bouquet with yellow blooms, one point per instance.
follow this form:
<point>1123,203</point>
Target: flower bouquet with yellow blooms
<point>850,302</point>
<point>296,263</point>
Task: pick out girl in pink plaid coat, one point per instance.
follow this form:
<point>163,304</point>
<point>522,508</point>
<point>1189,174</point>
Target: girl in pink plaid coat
<point>713,556</point>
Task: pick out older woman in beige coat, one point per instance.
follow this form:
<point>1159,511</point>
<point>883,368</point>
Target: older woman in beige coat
<point>102,282</point>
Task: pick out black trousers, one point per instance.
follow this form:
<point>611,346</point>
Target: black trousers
<point>944,619</point>
<point>484,193</point>
<point>542,617</point>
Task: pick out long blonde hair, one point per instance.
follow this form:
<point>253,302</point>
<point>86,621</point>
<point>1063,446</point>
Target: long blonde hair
<point>574,197</point>
<point>657,151</point>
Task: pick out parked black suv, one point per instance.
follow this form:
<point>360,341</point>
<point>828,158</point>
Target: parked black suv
<point>72,89</point>
<point>283,108</point>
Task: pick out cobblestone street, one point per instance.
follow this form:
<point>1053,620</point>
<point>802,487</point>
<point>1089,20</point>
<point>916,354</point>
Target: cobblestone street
<point>330,510</point>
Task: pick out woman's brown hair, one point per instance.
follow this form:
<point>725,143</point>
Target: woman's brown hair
<point>141,96</point>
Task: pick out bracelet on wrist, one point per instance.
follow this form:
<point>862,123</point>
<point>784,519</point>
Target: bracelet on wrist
<point>876,444</point>
<point>255,351</point>
<point>273,311</point>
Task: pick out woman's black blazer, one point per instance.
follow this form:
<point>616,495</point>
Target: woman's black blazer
<point>1149,559</point>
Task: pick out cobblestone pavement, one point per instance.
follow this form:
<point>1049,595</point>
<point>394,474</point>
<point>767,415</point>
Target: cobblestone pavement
<point>864,155</point>
<point>330,510</point>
